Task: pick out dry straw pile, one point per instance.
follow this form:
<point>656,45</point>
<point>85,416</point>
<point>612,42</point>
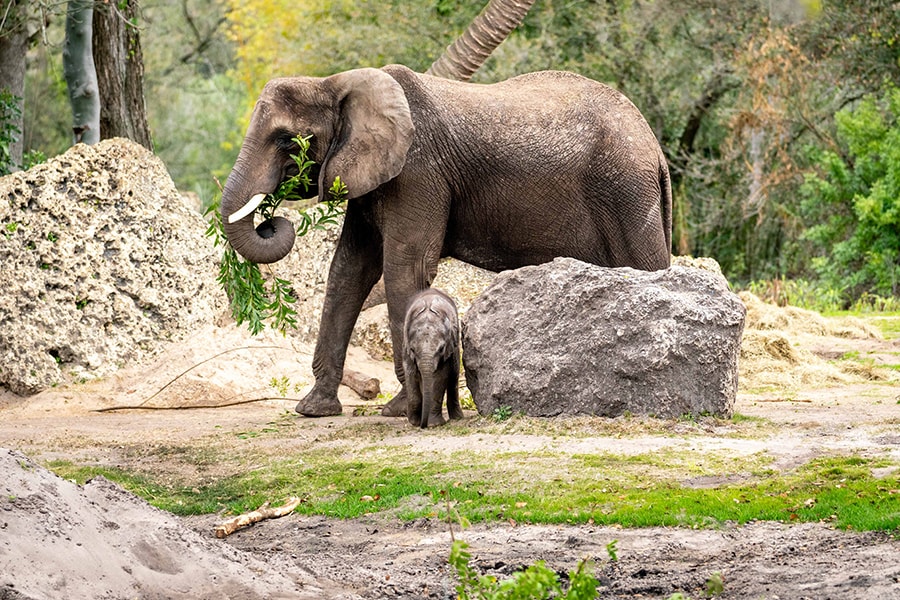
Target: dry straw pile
<point>789,347</point>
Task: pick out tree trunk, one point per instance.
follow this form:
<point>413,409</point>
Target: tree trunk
<point>120,73</point>
<point>464,56</point>
<point>13,47</point>
<point>81,78</point>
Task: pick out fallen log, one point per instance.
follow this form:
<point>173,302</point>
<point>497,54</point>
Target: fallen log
<point>367,387</point>
<point>263,512</point>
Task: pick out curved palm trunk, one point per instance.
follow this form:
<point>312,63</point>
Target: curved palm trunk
<point>487,31</point>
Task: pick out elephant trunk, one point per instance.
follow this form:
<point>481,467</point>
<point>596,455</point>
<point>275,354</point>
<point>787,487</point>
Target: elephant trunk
<point>271,240</point>
<point>427,373</point>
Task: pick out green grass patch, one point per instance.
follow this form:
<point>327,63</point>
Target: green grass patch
<point>740,419</point>
<point>632,491</point>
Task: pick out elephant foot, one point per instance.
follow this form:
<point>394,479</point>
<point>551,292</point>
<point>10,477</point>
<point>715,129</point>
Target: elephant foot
<point>317,404</point>
<point>396,407</point>
<point>436,420</point>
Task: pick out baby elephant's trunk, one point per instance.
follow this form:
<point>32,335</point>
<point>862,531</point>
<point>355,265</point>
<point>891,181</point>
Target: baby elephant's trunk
<point>427,371</point>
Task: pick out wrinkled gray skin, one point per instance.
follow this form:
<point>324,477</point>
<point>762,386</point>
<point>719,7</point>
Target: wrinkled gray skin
<point>500,176</point>
<point>431,358</point>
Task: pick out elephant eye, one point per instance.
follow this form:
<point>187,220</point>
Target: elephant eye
<point>284,141</point>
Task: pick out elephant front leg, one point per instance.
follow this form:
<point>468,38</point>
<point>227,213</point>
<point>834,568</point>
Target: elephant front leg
<point>355,269</point>
<point>413,238</point>
<point>399,290</point>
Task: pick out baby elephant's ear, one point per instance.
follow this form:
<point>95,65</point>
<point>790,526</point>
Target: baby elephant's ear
<point>374,131</point>
<point>452,326</point>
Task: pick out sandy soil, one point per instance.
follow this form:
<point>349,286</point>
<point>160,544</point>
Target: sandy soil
<point>59,540</point>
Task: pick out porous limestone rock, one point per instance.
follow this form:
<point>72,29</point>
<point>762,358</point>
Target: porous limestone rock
<point>568,338</point>
<point>102,263</point>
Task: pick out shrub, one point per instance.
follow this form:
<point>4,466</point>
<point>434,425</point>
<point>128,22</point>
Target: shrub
<point>852,201</point>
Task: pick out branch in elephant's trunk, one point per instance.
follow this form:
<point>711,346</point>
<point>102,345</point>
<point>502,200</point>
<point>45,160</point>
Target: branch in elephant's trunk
<point>367,387</point>
<point>263,512</point>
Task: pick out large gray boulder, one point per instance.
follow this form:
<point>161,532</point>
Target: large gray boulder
<point>102,264</point>
<point>567,338</point>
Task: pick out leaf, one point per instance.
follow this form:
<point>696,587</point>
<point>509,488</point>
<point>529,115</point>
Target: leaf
<point>612,550</point>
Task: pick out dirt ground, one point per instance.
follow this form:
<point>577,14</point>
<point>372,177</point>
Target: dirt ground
<point>60,540</point>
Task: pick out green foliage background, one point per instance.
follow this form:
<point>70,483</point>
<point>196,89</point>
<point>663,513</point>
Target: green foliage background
<point>852,200</point>
<point>778,118</point>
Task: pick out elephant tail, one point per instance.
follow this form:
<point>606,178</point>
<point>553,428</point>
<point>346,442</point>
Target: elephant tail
<point>665,208</point>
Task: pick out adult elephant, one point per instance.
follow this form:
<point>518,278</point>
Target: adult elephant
<point>500,176</point>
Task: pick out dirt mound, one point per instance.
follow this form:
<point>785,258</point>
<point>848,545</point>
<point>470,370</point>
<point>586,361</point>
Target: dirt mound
<point>98,541</point>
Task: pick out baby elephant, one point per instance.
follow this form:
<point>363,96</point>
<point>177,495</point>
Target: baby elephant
<point>431,358</point>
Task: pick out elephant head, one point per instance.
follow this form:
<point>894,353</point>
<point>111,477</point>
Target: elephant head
<point>361,130</point>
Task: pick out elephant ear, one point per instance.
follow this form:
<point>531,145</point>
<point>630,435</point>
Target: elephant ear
<point>374,131</point>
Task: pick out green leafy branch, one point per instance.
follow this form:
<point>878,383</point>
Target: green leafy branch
<point>253,301</point>
<point>537,582</point>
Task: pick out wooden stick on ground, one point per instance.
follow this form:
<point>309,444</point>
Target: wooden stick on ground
<point>362,384</point>
<point>263,512</point>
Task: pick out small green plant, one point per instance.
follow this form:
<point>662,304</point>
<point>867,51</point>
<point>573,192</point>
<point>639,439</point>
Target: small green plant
<point>536,582</point>
<point>253,300</point>
<point>281,385</point>
<point>502,413</point>
<point>32,158</point>
<point>612,550</point>
<point>715,585</point>
<point>466,401</point>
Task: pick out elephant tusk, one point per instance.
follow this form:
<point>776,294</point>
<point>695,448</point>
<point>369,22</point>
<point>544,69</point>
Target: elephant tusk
<point>247,209</point>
